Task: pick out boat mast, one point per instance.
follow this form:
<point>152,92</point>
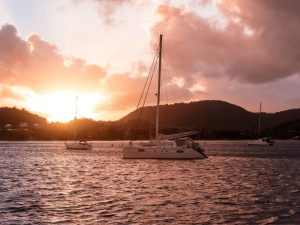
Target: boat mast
<point>76,108</point>
<point>75,118</point>
<point>158,88</point>
<point>259,119</point>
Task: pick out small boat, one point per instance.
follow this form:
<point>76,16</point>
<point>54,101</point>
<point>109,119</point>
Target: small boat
<point>262,142</point>
<point>77,144</point>
<point>266,141</point>
<point>175,146</point>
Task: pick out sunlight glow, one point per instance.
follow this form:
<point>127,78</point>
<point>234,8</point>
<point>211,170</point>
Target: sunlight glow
<point>60,106</point>
<point>248,31</point>
<point>179,81</point>
<point>198,88</point>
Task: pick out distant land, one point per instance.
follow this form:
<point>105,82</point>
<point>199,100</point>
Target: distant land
<point>214,119</point>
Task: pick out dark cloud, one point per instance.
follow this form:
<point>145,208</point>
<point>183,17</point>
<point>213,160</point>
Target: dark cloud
<point>196,46</point>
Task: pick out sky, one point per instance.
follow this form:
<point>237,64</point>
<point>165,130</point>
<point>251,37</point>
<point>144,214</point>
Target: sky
<point>242,52</point>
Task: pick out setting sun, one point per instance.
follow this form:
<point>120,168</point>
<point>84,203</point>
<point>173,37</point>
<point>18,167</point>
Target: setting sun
<point>60,106</point>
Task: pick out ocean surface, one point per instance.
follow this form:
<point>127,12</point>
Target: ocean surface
<point>42,183</point>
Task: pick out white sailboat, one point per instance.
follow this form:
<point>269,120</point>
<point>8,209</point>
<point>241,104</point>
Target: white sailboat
<point>77,144</point>
<point>266,141</point>
<point>176,146</point>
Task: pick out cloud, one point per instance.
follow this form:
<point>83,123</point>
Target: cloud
<point>38,65</point>
<point>14,52</point>
<point>9,93</point>
<point>107,8</point>
<point>123,90</point>
<point>258,44</point>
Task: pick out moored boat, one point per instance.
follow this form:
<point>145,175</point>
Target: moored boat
<point>175,146</point>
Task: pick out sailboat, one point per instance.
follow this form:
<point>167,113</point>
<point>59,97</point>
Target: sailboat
<point>266,141</point>
<point>174,146</point>
<point>77,144</point>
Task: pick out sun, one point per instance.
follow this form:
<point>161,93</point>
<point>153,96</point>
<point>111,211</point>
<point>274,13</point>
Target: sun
<point>61,106</point>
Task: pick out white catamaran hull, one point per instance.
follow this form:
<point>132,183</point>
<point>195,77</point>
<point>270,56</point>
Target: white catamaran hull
<point>137,152</point>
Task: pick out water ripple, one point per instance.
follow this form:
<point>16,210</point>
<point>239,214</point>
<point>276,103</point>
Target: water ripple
<point>42,183</point>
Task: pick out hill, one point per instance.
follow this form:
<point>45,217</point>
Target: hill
<point>16,116</point>
<point>290,129</point>
<point>215,119</point>
<point>210,114</point>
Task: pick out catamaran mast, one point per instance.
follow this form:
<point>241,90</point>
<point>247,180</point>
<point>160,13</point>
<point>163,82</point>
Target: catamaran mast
<point>158,88</point>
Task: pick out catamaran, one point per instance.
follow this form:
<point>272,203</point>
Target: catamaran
<point>174,146</point>
<point>77,144</point>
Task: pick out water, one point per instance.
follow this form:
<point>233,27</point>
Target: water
<point>42,183</point>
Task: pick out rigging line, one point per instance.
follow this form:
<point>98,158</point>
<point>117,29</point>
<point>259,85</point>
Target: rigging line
<point>142,108</point>
<point>135,122</point>
<point>149,74</point>
<point>156,54</point>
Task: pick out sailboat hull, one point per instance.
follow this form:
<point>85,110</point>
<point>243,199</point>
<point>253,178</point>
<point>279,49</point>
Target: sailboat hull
<point>137,152</point>
<point>78,146</point>
<point>261,142</point>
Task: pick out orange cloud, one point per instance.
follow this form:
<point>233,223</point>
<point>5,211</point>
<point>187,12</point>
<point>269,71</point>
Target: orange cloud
<point>14,53</point>
<point>38,65</point>
<point>123,90</point>
<point>7,93</point>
